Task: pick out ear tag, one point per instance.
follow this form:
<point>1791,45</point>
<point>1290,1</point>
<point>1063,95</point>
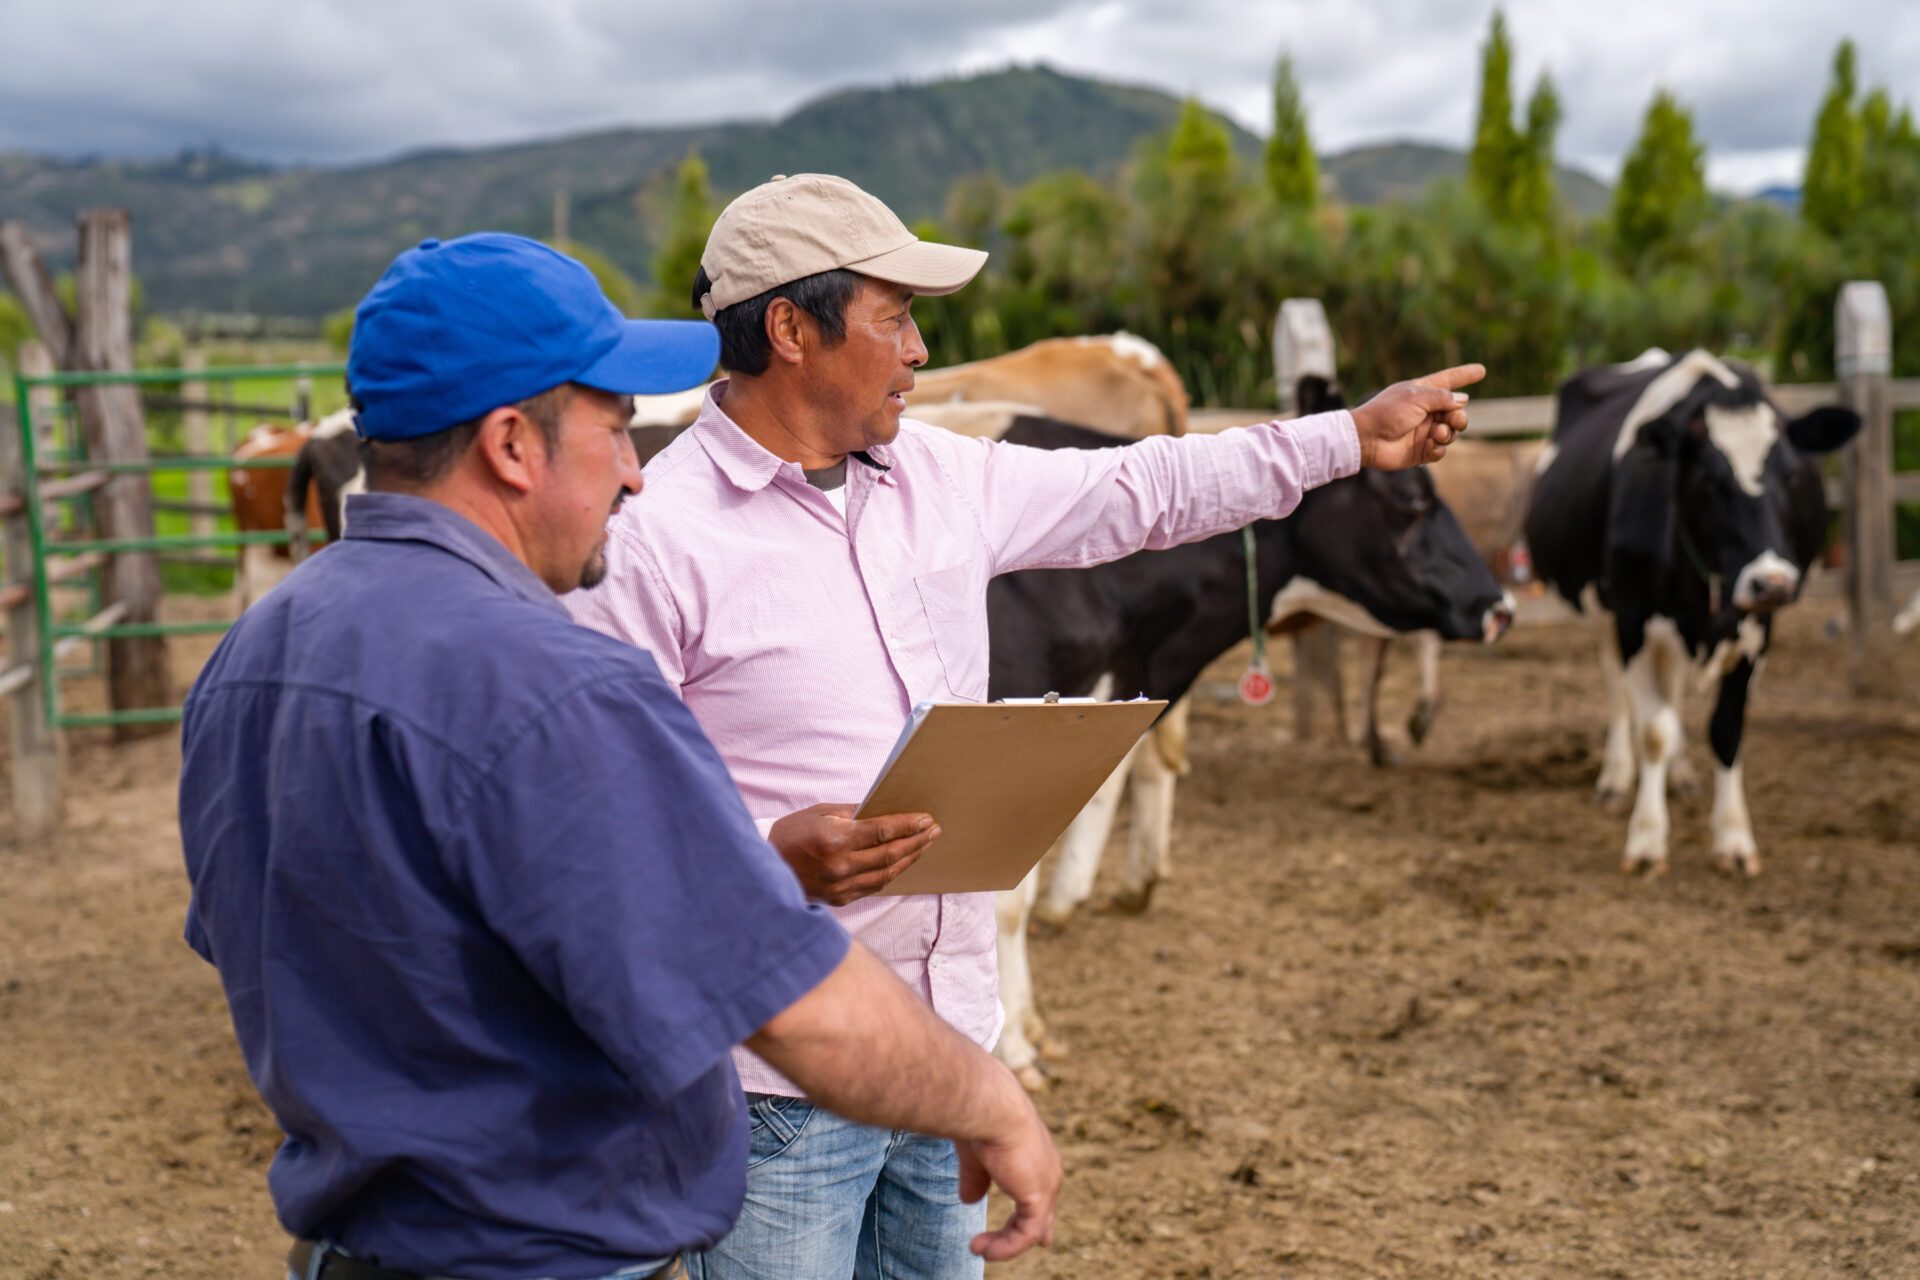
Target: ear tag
<point>1256,685</point>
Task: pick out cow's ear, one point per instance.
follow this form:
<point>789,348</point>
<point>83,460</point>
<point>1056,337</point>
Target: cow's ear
<point>1824,429</point>
<point>1646,500</point>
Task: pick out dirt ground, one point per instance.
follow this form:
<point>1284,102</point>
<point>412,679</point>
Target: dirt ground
<point>1381,1023</point>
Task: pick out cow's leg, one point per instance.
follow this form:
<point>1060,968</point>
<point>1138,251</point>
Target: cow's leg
<point>1016,1047</point>
<point>260,571</point>
<point>1150,843</point>
<point>1616,764</point>
<point>1426,648</point>
<point>1374,670</point>
<point>1734,849</point>
<point>1078,859</point>
<point>1681,778</point>
<point>1656,729</point>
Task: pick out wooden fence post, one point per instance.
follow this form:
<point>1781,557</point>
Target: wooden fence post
<point>196,428</point>
<point>1863,357</point>
<point>1302,345</point>
<point>138,673</point>
<point>36,747</point>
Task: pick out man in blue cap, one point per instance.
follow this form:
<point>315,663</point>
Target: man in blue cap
<point>488,911</point>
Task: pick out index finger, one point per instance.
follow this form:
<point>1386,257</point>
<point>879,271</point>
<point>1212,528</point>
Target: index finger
<point>870,833</point>
<point>1461,375</point>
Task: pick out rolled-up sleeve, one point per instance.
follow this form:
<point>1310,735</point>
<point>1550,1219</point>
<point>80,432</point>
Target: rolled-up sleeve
<point>1062,508</point>
<point>609,848</point>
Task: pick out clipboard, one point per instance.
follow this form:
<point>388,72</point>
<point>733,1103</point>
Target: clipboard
<point>1003,780</point>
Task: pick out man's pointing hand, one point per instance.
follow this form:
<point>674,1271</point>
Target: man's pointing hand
<point>1412,423</point>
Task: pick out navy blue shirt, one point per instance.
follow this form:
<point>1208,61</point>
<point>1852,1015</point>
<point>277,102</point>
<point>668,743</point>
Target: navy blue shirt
<point>488,910</point>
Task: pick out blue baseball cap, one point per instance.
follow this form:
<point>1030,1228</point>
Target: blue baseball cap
<point>456,329</point>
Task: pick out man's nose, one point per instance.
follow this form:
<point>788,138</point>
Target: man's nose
<point>916,353</point>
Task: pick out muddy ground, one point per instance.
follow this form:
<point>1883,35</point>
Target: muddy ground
<point>1409,1023</point>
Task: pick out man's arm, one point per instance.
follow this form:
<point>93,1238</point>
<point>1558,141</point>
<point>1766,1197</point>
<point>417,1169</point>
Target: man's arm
<point>1064,508</point>
<point>866,1048</point>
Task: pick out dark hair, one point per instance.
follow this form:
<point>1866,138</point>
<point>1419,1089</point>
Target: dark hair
<point>423,460</point>
<point>743,326</point>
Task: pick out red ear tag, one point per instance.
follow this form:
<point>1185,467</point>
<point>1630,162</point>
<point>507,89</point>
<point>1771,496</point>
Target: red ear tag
<point>1256,686</point>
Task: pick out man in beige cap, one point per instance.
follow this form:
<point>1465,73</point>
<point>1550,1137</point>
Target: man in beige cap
<point>802,606</point>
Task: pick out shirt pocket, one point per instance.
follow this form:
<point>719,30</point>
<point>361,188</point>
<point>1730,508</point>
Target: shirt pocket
<point>954,602</point>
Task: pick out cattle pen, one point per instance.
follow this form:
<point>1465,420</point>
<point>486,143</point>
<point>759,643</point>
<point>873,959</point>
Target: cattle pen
<point>77,504</point>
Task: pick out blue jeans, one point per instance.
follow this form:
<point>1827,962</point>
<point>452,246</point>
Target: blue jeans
<point>828,1199</point>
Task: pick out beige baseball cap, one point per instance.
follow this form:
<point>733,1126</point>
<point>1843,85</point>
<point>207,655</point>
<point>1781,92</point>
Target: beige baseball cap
<point>791,228</point>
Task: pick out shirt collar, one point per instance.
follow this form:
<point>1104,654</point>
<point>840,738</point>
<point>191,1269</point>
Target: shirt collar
<point>743,460</point>
<point>402,517</point>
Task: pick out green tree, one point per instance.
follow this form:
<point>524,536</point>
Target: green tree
<point>15,329</point>
<point>1662,192</point>
<point>1493,160</point>
<point>337,330</point>
<point>1830,191</point>
<point>1531,199</point>
<point>677,260</point>
<point>1189,286</point>
<point>1293,174</point>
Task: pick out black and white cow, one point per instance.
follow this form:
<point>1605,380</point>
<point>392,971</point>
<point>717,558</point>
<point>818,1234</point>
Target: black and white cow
<point>1678,501</point>
<point>1377,550</point>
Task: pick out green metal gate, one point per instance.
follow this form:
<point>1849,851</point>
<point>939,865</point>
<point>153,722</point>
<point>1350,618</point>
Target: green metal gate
<point>58,488</point>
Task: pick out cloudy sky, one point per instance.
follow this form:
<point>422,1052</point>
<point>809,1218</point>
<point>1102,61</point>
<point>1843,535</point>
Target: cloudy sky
<point>341,80</point>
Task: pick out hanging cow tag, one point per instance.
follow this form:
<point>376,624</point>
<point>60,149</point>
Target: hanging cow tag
<point>1256,685</point>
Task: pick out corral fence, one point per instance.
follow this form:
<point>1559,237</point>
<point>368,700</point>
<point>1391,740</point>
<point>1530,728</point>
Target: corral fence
<point>82,576</point>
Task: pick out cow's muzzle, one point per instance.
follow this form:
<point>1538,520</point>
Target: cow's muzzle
<point>1766,584</point>
<point>1495,622</point>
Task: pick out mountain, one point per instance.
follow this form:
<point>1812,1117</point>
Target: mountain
<point>213,232</point>
<point>1402,170</point>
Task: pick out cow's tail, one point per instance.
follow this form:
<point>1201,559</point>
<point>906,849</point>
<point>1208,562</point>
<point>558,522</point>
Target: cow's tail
<point>299,481</point>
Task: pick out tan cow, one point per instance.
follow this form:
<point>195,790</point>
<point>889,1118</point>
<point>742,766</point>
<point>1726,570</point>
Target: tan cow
<point>1116,383</point>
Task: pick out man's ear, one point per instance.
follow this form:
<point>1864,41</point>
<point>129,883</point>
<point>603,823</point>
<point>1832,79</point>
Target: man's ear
<point>511,446</point>
<point>786,331</point>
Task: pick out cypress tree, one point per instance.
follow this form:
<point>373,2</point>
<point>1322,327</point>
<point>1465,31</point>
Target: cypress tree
<point>1830,193</point>
<point>1293,174</point>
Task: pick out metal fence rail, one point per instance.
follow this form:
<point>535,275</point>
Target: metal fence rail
<point>48,545</point>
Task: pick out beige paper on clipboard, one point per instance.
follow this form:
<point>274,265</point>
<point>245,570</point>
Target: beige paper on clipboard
<point>1003,780</point>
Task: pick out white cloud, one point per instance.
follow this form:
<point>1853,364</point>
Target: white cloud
<point>332,80</point>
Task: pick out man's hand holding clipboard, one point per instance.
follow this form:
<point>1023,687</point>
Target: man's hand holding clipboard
<point>839,858</point>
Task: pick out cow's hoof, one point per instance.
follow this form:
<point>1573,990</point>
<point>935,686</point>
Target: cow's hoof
<point>1129,902</point>
<point>1052,1048</point>
<point>1420,723</point>
<point>1032,1077</point>
<point>1737,858</point>
<point>1049,918</point>
<point>1610,799</point>
<point>1382,755</point>
<point>1650,867</point>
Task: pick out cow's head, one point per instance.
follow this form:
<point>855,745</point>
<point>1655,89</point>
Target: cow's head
<point>1385,544</point>
<point>1719,484</point>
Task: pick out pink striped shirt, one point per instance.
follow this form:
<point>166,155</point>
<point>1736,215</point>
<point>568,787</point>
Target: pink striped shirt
<point>800,638</point>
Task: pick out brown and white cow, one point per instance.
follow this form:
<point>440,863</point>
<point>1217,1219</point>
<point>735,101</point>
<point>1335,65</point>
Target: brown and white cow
<point>295,499</point>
